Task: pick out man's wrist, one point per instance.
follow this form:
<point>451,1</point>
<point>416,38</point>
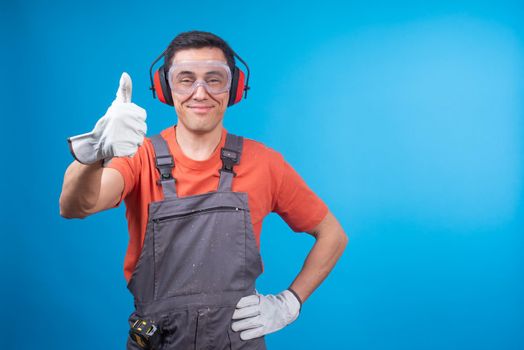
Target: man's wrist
<point>296,296</point>
<point>84,149</point>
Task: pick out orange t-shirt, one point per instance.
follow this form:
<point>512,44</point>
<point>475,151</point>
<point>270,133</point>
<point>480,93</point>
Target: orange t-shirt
<point>271,183</point>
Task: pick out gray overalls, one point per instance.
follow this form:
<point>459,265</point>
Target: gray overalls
<point>198,259</point>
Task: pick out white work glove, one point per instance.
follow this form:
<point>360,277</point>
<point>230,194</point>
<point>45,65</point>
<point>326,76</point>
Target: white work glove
<point>263,314</point>
<point>117,134</point>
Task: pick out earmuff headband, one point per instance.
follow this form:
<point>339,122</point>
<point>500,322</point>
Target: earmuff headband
<point>152,88</point>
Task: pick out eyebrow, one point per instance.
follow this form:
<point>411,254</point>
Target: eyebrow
<point>214,72</point>
<point>187,72</point>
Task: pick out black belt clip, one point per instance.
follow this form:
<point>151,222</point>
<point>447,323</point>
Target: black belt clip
<point>146,334</point>
<point>230,158</point>
<point>165,165</point>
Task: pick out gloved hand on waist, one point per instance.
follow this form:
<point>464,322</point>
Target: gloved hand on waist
<point>263,314</point>
<point>118,133</point>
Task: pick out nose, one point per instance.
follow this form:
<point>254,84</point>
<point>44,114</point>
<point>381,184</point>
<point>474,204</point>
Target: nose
<point>200,93</point>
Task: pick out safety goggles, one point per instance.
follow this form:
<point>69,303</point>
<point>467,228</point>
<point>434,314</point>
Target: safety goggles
<point>186,76</point>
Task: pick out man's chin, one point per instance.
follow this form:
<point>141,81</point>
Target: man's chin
<point>201,128</point>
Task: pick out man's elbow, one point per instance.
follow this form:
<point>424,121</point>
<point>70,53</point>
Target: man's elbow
<point>71,215</point>
<point>344,240</point>
<point>338,238</point>
<point>67,212</point>
<point>338,233</point>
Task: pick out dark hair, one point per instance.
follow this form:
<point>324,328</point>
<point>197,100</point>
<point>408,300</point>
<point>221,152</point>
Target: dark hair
<point>197,40</point>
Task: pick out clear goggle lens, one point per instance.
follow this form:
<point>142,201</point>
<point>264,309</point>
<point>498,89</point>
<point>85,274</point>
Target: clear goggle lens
<point>186,76</point>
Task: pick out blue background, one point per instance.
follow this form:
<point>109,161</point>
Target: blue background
<point>406,118</point>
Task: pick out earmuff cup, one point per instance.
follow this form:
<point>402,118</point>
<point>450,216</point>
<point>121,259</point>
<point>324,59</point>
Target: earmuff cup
<point>161,86</point>
<point>237,87</point>
<point>234,87</point>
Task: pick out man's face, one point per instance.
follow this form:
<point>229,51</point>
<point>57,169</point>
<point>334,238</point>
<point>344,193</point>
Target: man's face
<point>200,111</point>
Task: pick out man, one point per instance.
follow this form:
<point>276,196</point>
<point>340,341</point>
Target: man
<point>195,198</point>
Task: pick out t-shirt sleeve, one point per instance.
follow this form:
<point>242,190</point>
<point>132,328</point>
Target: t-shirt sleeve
<point>295,202</point>
<point>129,167</point>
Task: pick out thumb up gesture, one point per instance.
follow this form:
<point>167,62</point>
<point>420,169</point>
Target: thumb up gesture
<point>117,134</point>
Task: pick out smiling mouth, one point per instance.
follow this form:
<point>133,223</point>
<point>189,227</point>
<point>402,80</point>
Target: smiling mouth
<point>201,109</point>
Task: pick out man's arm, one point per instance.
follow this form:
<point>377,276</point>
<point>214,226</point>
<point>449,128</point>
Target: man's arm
<point>88,189</point>
<point>331,241</point>
<point>256,315</point>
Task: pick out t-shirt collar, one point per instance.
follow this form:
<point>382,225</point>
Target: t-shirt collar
<point>191,163</point>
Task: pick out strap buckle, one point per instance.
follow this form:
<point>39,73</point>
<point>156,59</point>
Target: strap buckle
<point>164,177</point>
<point>165,164</point>
<point>229,159</point>
<point>166,160</point>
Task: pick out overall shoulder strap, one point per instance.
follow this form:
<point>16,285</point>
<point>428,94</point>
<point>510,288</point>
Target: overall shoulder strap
<point>230,155</point>
<point>164,163</point>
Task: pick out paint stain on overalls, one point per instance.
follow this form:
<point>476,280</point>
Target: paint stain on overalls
<point>198,259</point>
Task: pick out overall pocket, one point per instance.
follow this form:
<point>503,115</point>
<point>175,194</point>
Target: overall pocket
<point>201,251</point>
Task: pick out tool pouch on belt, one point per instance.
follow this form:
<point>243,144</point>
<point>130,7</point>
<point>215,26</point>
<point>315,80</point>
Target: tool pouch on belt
<point>146,334</point>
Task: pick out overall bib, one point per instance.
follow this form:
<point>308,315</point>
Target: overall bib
<point>198,259</point>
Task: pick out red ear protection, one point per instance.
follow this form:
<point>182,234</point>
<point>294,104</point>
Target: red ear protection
<point>160,83</point>
<point>237,87</point>
<point>161,86</point>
